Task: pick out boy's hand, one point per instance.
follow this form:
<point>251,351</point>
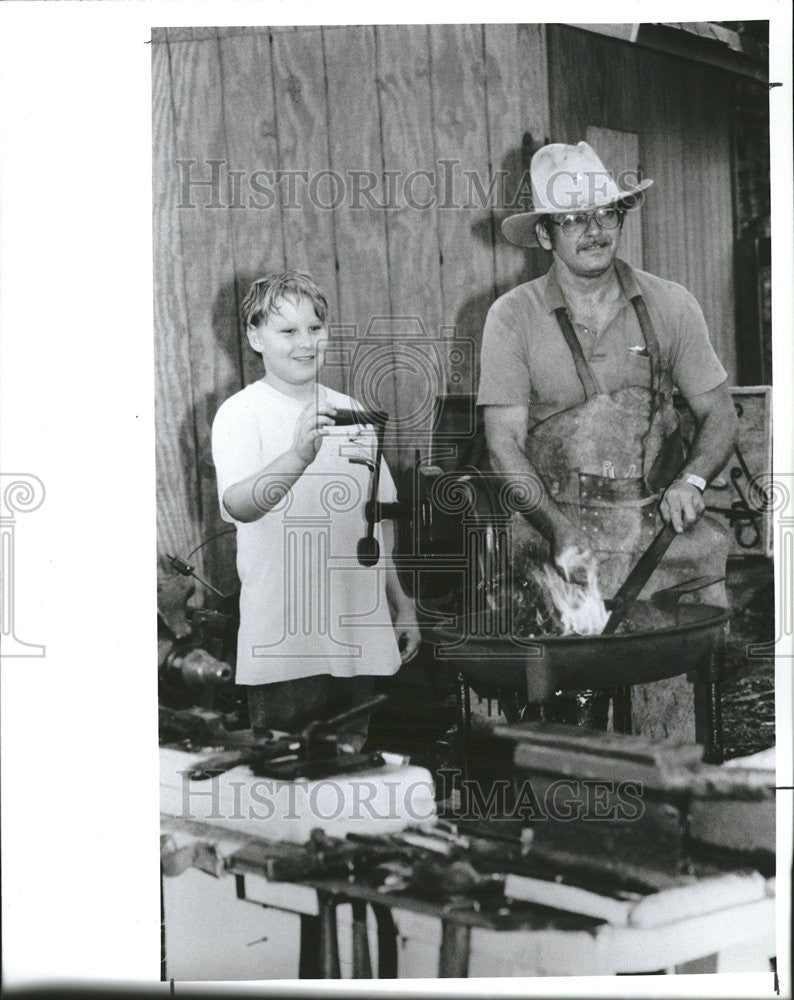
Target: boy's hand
<point>313,421</point>
<point>407,631</point>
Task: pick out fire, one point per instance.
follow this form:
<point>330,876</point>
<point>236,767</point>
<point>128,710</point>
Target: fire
<point>580,606</point>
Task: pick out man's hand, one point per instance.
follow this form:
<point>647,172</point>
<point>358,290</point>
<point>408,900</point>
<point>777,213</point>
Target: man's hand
<point>309,430</point>
<point>572,553</point>
<point>682,505</point>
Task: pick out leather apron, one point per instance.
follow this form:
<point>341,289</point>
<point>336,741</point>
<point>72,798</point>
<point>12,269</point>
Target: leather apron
<point>607,461</point>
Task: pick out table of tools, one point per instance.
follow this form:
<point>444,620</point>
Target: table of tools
<point>681,928</point>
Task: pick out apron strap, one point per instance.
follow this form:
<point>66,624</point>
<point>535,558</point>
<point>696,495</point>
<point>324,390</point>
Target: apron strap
<point>651,341</point>
<point>625,277</point>
<point>583,369</point>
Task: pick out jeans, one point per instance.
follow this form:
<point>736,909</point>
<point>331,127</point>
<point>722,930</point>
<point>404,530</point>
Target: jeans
<point>290,705</point>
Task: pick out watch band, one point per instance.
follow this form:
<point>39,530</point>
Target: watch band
<point>695,481</point>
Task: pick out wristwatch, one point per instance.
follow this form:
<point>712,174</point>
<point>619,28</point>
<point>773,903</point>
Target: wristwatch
<point>694,480</point>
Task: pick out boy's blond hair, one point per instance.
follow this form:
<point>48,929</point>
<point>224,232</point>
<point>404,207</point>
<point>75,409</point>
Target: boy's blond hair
<point>265,293</point>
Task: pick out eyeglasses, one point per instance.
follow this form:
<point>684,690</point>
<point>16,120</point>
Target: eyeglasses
<point>575,223</point>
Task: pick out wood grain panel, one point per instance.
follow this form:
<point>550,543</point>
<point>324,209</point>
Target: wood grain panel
<point>533,85</point>
<point>459,111</point>
<point>533,81</point>
<point>707,195</point>
<point>716,292</point>
<point>662,147</point>
<point>302,125</point>
<point>403,71</point>
<point>505,131</point>
<point>249,115</point>
<point>176,460</point>
<point>209,268</point>
<point>354,147</point>
<point>593,81</point>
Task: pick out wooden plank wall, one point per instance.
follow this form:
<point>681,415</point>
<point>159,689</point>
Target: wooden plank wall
<point>437,115</point>
<point>681,112</point>
<point>454,105</point>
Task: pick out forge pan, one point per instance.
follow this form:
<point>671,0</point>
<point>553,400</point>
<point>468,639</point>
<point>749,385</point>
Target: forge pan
<point>661,644</point>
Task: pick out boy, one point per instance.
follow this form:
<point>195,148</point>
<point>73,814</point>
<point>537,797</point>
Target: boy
<point>315,626</point>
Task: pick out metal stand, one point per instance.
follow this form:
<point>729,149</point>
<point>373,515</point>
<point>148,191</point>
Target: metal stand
<point>309,958</point>
<point>463,696</point>
<point>387,942</point>
<point>362,964</point>
<point>453,959</point>
<point>329,943</point>
<point>621,710</point>
<point>711,676</point>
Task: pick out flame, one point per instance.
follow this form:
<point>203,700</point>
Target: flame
<point>580,606</point>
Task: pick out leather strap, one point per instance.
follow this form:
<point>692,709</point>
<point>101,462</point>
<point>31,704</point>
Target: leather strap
<point>651,342</point>
<point>583,369</point>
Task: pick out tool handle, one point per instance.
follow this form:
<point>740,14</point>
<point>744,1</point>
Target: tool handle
<point>345,416</point>
<point>336,720</point>
<point>638,577</point>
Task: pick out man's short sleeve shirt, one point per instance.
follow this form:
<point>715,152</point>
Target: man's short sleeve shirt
<point>526,362</point>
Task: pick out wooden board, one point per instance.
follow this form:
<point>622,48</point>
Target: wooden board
<point>354,149</point>
<point>506,127</point>
<point>209,269</point>
<point>403,69</point>
<point>177,507</point>
<point>459,110</point>
<point>249,116</point>
<point>665,223</point>
<point>302,125</point>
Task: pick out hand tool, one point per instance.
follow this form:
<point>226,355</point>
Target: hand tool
<point>638,577</point>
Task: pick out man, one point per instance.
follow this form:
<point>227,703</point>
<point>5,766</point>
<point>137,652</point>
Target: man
<point>577,374</point>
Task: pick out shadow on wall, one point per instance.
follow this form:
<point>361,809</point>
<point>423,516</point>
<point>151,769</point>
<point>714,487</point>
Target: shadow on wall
<point>235,365</point>
<point>470,318</point>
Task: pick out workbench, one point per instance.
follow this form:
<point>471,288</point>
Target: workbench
<point>522,939</point>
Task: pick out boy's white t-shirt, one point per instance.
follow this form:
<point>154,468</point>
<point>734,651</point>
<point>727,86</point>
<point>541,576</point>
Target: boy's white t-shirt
<point>306,604</point>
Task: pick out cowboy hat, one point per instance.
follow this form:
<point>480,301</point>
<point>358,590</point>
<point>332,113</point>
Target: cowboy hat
<point>566,179</point>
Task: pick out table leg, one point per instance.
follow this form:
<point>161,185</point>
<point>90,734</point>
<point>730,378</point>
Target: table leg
<point>309,961</point>
<point>329,942</point>
<point>362,965</point>
<point>621,710</point>
<point>387,942</point>
<point>715,671</point>
<point>453,959</point>
<point>463,696</point>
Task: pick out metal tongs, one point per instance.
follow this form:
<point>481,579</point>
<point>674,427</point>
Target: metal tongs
<point>625,598</point>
